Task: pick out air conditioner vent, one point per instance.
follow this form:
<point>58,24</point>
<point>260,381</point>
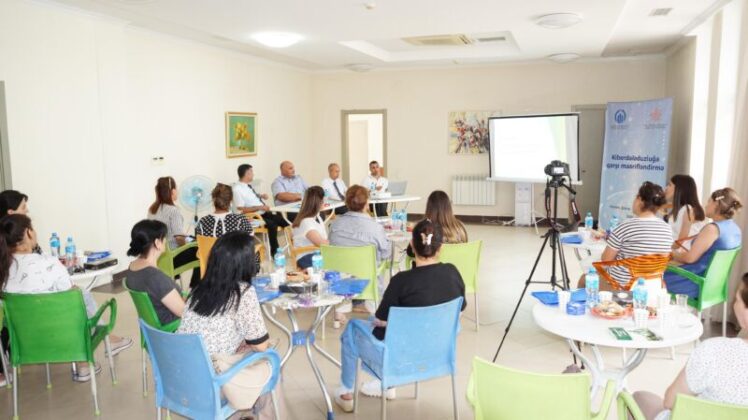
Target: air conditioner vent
<point>439,40</point>
<point>489,39</point>
<point>663,11</point>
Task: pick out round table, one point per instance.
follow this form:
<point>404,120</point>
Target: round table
<point>595,331</point>
<point>93,275</point>
<point>298,337</point>
<point>587,251</point>
<point>397,238</point>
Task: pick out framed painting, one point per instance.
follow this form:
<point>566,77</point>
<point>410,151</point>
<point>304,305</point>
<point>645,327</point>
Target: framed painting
<point>241,134</point>
<point>468,132</point>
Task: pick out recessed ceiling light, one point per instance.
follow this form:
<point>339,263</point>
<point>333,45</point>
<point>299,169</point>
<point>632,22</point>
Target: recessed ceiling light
<point>564,57</point>
<point>559,20</point>
<point>370,5</point>
<point>277,39</point>
<point>359,67</point>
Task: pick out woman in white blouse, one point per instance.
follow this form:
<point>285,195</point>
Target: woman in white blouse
<point>308,229</point>
<point>716,370</point>
<point>686,217</point>
<point>24,271</point>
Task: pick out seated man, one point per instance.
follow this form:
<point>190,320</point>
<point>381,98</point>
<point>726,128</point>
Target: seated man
<point>247,200</point>
<point>334,186</point>
<point>375,182</point>
<point>429,283</point>
<point>288,187</point>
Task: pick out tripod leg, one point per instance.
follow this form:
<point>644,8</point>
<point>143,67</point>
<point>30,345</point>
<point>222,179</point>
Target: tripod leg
<point>562,260</point>
<point>519,302</point>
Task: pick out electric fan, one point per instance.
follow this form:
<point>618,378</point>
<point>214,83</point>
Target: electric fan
<point>194,193</point>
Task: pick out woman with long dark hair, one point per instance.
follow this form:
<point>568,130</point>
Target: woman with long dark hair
<point>687,217</point>
<point>24,271</point>
<point>147,242</point>
<point>308,229</point>
<point>224,308</point>
<point>164,210</point>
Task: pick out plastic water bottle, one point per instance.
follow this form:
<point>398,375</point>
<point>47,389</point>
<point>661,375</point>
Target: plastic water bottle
<point>613,224</point>
<point>280,261</point>
<point>404,221</point>
<point>317,261</point>
<point>640,294</point>
<point>592,287</point>
<point>70,252</point>
<point>54,245</point>
<point>589,221</point>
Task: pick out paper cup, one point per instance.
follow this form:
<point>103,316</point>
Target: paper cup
<point>641,316</point>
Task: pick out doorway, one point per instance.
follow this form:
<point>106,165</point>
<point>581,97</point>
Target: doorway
<point>4,150</point>
<point>591,139</point>
<point>364,140</point>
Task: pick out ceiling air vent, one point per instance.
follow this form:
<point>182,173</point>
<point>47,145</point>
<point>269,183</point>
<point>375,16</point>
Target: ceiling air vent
<point>489,39</point>
<point>663,11</point>
<point>439,40</point>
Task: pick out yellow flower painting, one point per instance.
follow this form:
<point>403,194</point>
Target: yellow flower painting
<point>241,134</point>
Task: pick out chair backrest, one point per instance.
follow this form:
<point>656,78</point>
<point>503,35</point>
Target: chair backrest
<point>358,261</point>
<point>501,393</point>
<point>144,307</point>
<point>183,374</point>
<point>647,266</point>
<point>466,257</point>
<point>204,245</point>
<point>717,276</point>
<point>420,342</point>
<point>166,260</point>
<point>254,216</point>
<point>692,408</point>
<point>48,328</point>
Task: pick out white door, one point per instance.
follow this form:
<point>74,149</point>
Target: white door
<point>363,142</point>
<point>591,137</point>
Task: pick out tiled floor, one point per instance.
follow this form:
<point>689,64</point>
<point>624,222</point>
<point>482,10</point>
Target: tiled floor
<point>508,254</point>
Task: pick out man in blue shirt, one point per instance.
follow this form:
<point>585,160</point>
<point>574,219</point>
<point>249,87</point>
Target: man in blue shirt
<point>288,187</point>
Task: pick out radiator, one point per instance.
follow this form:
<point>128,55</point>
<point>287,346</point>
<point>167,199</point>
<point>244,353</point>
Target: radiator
<point>473,190</point>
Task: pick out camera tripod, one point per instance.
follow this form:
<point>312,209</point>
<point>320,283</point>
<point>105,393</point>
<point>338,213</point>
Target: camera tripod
<point>553,239</point>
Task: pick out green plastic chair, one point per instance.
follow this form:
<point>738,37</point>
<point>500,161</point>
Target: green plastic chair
<point>147,313</point>
<point>713,286</point>
<point>359,261</point>
<point>686,408</point>
<point>501,393</point>
<point>3,355</point>
<point>54,328</point>
<point>466,257</point>
<point>166,261</point>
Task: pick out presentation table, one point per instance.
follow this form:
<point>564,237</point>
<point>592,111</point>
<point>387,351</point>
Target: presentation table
<point>595,331</point>
<point>295,207</point>
<point>394,200</point>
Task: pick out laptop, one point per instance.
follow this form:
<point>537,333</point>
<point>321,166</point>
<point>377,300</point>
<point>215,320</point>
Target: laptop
<point>397,187</point>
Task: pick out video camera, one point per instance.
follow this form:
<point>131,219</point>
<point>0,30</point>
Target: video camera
<point>557,169</point>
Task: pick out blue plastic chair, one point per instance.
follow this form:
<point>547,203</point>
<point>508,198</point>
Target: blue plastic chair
<point>419,344</point>
<point>186,382</point>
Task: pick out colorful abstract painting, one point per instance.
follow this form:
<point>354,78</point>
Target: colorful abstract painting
<point>468,132</point>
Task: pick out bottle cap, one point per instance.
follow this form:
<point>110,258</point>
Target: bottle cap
<point>70,238</point>
<point>640,281</point>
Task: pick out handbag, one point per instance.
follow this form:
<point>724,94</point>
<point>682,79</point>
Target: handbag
<point>243,389</point>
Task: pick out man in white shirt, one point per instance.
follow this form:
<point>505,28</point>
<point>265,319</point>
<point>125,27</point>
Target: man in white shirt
<point>375,182</point>
<point>334,186</point>
<point>247,200</point>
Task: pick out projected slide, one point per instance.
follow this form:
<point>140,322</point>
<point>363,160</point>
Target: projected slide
<point>522,146</point>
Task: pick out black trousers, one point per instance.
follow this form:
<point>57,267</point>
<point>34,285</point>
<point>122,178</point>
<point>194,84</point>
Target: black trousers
<point>187,257</point>
<point>272,222</point>
<point>381,209</point>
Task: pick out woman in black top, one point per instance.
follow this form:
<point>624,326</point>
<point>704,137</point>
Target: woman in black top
<point>429,283</point>
<point>221,221</point>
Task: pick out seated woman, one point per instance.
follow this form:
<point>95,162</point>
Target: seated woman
<point>164,210</point>
<point>15,202</point>
<point>439,210</point>
<point>723,233</point>
<point>687,216</point>
<point>716,370</point>
<point>429,283</point>
<point>147,242</point>
<point>643,234</point>
<point>23,271</point>
<point>221,221</point>
<point>358,228</point>
<point>308,229</point>
<point>224,309</point>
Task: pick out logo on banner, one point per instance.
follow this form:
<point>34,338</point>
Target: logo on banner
<point>655,118</point>
<point>620,116</point>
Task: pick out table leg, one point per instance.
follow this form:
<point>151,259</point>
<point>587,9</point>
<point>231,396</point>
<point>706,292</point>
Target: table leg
<point>309,339</point>
<point>283,328</point>
<point>600,375</point>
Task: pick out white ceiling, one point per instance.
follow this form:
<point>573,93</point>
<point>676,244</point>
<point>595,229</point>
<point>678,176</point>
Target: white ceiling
<point>343,32</point>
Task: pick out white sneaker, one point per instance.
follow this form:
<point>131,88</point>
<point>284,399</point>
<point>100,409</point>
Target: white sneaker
<point>373,388</point>
<point>345,405</point>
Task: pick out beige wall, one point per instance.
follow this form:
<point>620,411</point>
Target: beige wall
<point>91,101</point>
<point>417,103</point>
<point>680,78</point>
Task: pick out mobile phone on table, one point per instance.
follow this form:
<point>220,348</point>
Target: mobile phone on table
<point>620,334</point>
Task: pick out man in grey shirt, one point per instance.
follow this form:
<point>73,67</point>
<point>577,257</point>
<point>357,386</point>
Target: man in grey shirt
<point>288,187</point>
